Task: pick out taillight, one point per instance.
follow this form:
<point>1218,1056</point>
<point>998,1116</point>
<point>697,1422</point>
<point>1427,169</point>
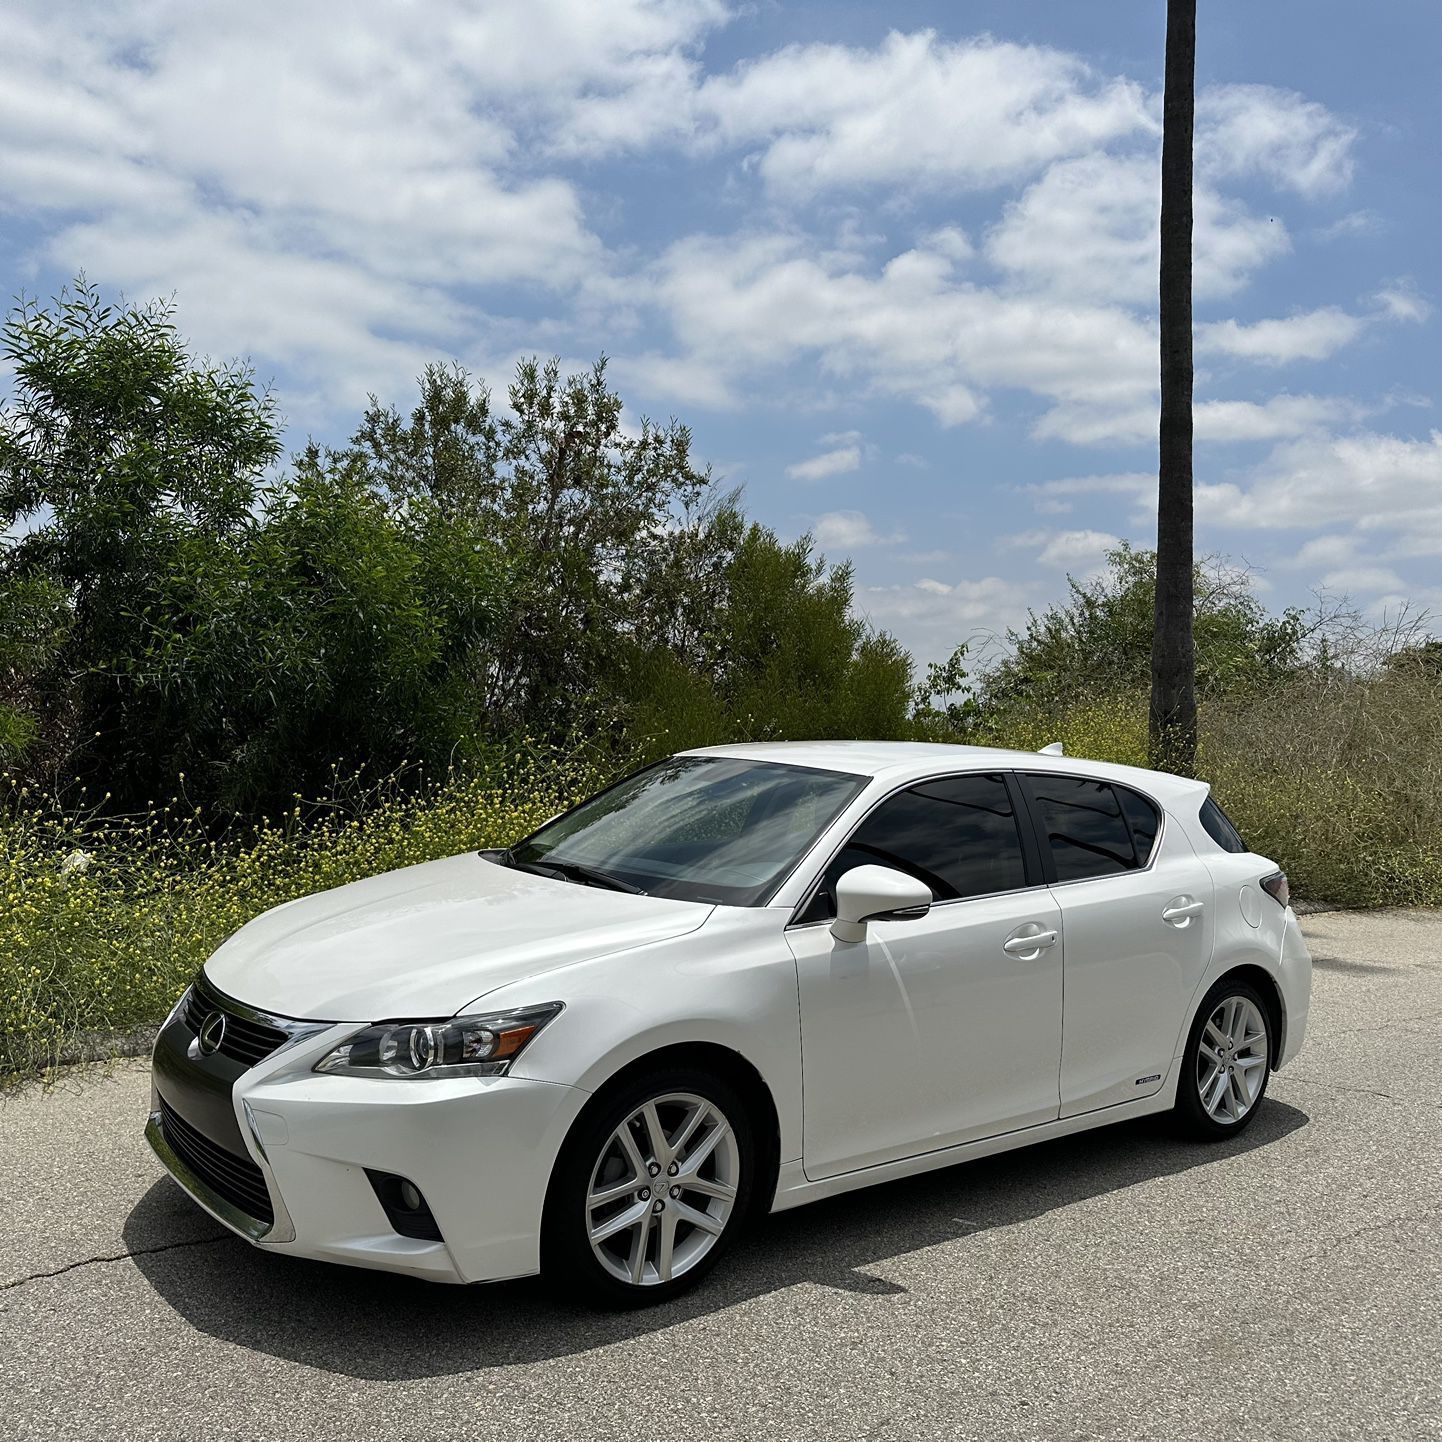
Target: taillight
<point>1276,887</point>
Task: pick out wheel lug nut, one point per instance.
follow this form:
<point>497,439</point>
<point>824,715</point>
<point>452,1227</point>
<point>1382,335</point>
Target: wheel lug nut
<point>659,1206</point>
<point>644,1194</point>
<point>673,1169</point>
<point>675,1191</point>
<point>654,1169</point>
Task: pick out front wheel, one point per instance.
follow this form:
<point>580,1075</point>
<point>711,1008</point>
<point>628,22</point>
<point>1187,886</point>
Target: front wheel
<point>650,1189</point>
<point>1226,1062</point>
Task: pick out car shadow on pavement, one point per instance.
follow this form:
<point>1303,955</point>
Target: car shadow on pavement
<point>380,1327</point>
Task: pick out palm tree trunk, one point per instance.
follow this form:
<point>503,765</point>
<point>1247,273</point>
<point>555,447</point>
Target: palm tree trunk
<point>1173,719</point>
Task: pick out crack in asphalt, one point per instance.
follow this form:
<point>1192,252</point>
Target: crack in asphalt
<point>1330,1086</point>
<point>116,1257</point>
<point>1342,1238</point>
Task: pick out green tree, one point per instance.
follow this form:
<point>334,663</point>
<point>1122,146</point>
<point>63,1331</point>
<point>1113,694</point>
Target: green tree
<point>115,446</point>
<point>594,517</point>
<point>784,658</point>
<point>33,617</point>
<point>944,705</point>
<point>1098,642</point>
<point>335,626</point>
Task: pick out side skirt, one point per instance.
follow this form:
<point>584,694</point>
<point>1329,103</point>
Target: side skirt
<point>795,1189</point>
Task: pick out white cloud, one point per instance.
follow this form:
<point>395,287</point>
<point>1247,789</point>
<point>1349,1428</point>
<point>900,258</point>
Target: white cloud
<point>829,463</point>
<point>1076,550</point>
<point>1276,418</point>
<point>691,380</point>
<point>910,328</point>
<point>1058,497</point>
<point>351,201</point>
<point>1320,551</point>
<point>932,617</point>
<point>1222,421</point>
<point>1256,130</point>
<point>1089,227</point>
<point>915,111</point>
<point>316,192</point>
<point>1374,482</point>
<point>1402,301</point>
<point>1309,335</point>
<point>1351,579</point>
<point>850,531</point>
<point>1354,223</point>
<point>1312,335</point>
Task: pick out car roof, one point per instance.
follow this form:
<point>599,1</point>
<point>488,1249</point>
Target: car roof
<point>899,760</point>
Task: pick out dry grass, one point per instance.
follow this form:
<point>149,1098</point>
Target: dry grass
<point>1337,777</point>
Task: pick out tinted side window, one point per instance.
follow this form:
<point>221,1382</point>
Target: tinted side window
<point>958,835</point>
<point>1145,821</point>
<point>1085,824</point>
<point>1215,824</point>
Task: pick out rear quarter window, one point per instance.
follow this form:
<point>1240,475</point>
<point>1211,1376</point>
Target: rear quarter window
<point>1085,826</point>
<point>1220,829</point>
<point>1145,821</point>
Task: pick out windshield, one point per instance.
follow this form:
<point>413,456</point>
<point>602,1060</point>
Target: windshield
<point>695,828</point>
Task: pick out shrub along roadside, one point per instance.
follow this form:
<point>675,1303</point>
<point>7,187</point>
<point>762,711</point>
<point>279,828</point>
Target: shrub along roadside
<point>104,922</point>
<point>1336,778</point>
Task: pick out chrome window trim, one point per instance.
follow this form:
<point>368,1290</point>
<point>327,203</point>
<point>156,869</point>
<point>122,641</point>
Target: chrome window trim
<point>1042,839</point>
<point>950,774</point>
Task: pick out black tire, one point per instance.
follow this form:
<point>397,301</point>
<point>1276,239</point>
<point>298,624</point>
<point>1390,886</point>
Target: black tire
<point>1193,1117</point>
<point>568,1263</point>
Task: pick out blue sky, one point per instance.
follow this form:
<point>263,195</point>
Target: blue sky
<point>895,265</point>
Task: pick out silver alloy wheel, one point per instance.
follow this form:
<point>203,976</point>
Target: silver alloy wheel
<point>1232,1058</point>
<point>662,1189</point>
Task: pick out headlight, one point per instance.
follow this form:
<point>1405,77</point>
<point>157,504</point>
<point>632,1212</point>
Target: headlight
<point>463,1046</point>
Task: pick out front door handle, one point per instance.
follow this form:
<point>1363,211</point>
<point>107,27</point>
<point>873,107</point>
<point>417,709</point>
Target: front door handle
<point>1181,909</point>
<point>1029,944</point>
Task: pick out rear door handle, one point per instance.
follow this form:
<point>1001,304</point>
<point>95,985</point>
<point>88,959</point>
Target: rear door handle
<point>1030,945</point>
<point>1180,911</point>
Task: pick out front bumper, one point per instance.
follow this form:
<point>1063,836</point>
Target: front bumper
<point>481,1150</point>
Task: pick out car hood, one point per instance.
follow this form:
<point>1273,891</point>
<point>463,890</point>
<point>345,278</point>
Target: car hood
<point>427,940</point>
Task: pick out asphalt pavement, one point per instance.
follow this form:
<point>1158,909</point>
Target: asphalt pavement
<point>1121,1284</point>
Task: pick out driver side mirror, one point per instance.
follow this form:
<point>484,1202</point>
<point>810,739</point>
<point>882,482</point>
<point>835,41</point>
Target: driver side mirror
<point>876,893</point>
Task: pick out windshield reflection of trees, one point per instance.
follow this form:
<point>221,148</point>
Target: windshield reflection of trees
<point>719,830</point>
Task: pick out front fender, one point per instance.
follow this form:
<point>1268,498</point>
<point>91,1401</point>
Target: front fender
<point>732,985</point>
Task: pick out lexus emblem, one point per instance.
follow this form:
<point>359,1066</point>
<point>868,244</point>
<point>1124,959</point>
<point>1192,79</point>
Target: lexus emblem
<point>212,1033</point>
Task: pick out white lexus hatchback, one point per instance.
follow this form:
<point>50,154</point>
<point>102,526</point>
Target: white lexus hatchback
<point>742,979</point>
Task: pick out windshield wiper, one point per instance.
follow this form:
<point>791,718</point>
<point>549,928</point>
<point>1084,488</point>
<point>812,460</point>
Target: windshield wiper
<point>574,871</point>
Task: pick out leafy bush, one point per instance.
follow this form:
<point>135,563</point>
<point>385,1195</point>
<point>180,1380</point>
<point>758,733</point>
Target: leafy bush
<point>1099,640</point>
<point>1113,728</point>
<point>118,451</point>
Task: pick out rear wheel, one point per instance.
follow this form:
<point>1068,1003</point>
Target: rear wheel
<point>650,1190</point>
<point>1226,1063</point>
